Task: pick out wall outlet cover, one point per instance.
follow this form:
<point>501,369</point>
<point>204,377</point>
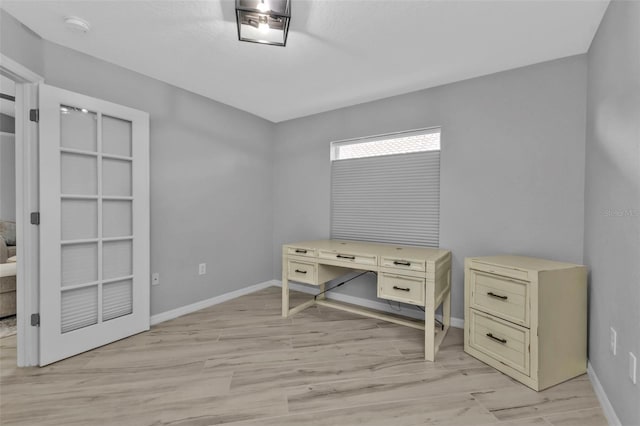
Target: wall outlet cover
<point>613,335</point>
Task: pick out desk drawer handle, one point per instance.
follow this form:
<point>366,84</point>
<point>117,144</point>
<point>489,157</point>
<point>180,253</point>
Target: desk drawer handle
<point>497,296</point>
<point>300,272</point>
<point>497,339</point>
<point>342,256</point>
<point>395,287</point>
<point>301,251</point>
<point>398,262</point>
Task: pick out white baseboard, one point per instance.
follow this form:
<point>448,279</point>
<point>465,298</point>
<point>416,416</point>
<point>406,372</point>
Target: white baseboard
<point>178,312</point>
<point>371,304</point>
<point>607,408</point>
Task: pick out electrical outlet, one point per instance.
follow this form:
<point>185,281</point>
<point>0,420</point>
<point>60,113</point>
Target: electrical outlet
<point>155,278</point>
<point>202,269</point>
<point>613,340</point>
<point>632,367</point>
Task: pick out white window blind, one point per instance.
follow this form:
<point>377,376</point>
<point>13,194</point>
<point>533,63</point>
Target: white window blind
<point>387,188</point>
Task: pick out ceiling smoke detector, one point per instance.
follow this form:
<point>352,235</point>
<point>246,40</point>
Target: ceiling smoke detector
<point>76,24</point>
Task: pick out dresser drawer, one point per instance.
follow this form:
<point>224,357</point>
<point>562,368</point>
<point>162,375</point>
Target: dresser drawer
<point>401,288</point>
<point>501,340</point>
<point>401,263</point>
<point>500,296</point>
<point>357,259</point>
<point>301,251</point>
<point>302,272</point>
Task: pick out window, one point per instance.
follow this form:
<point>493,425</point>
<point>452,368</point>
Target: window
<point>387,188</point>
<point>399,143</point>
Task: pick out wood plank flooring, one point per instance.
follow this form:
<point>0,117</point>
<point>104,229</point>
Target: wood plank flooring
<point>240,363</point>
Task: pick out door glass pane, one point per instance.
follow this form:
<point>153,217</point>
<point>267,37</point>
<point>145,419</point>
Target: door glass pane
<point>78,128</point>
<point>117,299</point>
<point>79,263</point>
<point>116,136</point>
<point>79,219</point>
<point>79,308</point>
<point>117,259</point>
<point>116,219</point>
<point>116,177</point>
<point>79,174</point>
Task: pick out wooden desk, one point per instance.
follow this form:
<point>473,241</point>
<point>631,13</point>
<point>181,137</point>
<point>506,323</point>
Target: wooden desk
<point>408,274</point>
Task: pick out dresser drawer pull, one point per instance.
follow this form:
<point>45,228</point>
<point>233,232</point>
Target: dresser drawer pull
<point>342,256</point>
<point>497,339</point>
<point>497,296</point>
<point>395,287</point>
<point>301,251</point>
<point>398,262</point>
<point>300,272</point>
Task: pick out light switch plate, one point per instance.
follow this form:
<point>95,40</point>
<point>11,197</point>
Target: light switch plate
<point>202,269</point>
<point>633,366</point>
<point>155,278</point>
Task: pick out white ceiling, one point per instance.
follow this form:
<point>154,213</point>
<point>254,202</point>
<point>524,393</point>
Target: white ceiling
<point>339,53</point>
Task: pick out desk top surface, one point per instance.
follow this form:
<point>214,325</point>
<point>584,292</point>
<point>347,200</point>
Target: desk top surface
<point>366,247</point>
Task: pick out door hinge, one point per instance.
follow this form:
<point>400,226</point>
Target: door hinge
<point>34,115</point>
<point>35,218</point>
<point>35,320</point>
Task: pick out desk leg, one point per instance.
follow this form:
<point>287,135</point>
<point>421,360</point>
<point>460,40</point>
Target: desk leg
<point>446,304</point>
<point>429,333</point>
<point>322,296</point>
<point>285,288</point>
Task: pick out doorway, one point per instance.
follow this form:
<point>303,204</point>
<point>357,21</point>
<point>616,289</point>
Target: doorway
<point>23,82</point>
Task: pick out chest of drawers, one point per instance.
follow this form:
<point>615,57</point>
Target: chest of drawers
<point>527,317</point>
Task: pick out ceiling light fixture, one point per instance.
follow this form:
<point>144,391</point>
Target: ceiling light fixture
<point>76,24</point>
<point>263,21</point>
<point>262,7</point>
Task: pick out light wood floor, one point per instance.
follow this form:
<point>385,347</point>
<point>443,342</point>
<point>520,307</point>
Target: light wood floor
<point>240,363</point>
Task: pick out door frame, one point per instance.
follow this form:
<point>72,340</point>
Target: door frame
<point>27,250</point>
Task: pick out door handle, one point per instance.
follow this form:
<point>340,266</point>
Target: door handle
<point>497,339</point>
<point>497,296</point>
<point>342,256</point>
<point>395,287</point>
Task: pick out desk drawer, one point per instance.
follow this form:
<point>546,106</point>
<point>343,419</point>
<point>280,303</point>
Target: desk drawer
<point>302,272</point>
<point>501,340</point>
<point>401,263</point>
<point>301,251</point>
<point>358,259</point>
<point>504,297</point>
<point>401,288</point>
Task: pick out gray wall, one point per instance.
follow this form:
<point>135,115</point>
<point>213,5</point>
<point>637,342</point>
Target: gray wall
<point>211,175</point>
<point>7,169</point>
<point>612,203</point>
<point>7,123</point>
<point>20,43</point>
<point>7,172</point>
<point>512,165</point>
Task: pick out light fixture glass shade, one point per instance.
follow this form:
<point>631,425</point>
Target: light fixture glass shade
<point>263,21</point>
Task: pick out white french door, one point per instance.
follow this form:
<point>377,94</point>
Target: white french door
<point>94,223</point>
